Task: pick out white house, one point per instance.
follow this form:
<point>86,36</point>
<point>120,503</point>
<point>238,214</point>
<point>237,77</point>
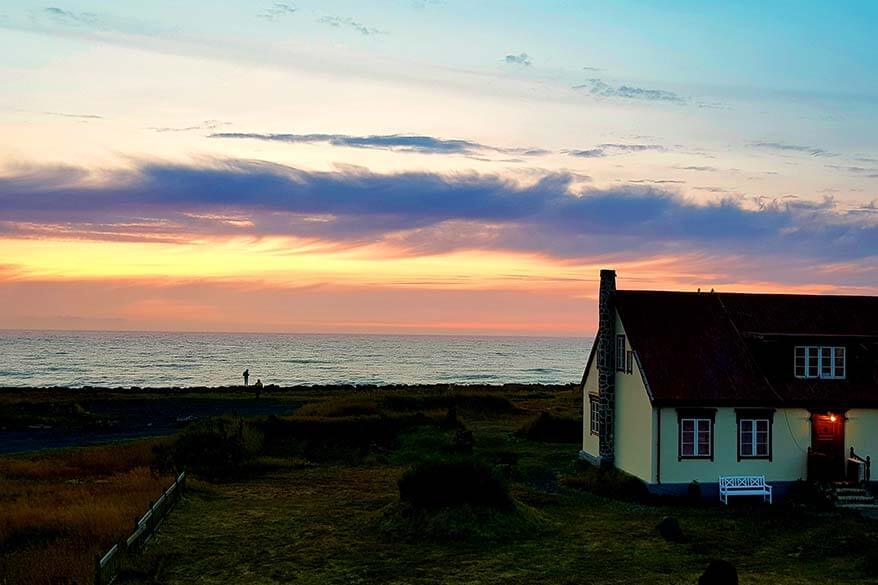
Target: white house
<point>682,387</point>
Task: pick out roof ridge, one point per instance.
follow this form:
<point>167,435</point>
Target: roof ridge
<point>751,294</point>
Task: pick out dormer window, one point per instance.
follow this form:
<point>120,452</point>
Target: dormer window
<point>820,361</point>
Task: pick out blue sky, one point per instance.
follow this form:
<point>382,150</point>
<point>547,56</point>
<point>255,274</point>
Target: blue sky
<point>728,144</point>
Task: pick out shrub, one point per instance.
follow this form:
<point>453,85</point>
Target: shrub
<point>344,437</point>
<point>442,484</point>
<point>550,428</point>
<point>808,495</point>
<point>340,407</point>
<point>608,482</point>
<point>215,448</point>
<point>52,414</point>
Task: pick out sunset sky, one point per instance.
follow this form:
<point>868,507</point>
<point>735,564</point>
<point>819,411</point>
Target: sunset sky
<point>427,166</point>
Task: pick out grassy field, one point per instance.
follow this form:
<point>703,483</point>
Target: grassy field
<point>317,522</point>
<point>314,498</point>
<point>58,510</point>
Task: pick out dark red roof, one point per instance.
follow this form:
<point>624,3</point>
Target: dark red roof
<point>734,348</point>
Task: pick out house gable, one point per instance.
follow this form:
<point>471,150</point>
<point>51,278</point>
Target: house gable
<point>633,429</point>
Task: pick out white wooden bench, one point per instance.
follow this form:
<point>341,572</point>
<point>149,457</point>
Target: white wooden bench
<point>743,485</point>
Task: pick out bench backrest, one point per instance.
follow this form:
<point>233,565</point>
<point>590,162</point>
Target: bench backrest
<point>742,481</point>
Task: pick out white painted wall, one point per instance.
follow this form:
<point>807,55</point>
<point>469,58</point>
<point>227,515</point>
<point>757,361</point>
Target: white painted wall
<point>590,443</point>
<point>635,444</point>
<point>791,436</point>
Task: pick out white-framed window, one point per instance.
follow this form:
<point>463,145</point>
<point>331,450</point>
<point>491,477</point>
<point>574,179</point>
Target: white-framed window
<point>754,437</point>
<point>820,361</point>
<point>629,361</point>
<point>695,438</point>
<point>620,353</point>
<point>594,414</point>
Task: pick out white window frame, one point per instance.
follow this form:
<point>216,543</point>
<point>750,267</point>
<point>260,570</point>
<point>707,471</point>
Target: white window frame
<point>697,427</point>
<point>754,432</point>
<point>620,352</point>
<point>809,352</point>
<point>594,414</point>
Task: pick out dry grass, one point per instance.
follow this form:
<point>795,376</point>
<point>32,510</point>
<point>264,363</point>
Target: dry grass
<point>58,510</point>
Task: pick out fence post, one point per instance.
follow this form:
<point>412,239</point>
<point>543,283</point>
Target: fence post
<point>98,579</point>
<point>144,528</point>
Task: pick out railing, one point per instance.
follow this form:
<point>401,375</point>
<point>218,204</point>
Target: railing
<point>858,469</point>
<point>107,567</point>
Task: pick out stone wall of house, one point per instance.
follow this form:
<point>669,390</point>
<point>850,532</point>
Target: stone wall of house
<point>606,356</point>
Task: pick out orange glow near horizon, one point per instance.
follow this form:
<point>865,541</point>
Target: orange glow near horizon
<point>295,285</point>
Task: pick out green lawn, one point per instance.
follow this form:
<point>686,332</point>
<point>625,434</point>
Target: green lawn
<point>313,523</point>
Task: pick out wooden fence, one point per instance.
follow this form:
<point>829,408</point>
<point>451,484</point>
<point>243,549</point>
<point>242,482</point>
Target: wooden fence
<point>107,567</point>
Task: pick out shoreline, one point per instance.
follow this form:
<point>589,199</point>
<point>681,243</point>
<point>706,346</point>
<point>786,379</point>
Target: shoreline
<point>269,390</point>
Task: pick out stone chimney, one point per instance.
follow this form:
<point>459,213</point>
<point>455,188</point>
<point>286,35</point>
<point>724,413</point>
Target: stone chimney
<point>606,357</point>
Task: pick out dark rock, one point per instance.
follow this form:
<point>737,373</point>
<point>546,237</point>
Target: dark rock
<point>670,529</point>
<point>719,573</point>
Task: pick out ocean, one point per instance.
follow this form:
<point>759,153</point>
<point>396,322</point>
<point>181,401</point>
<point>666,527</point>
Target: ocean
<point>124,359</point>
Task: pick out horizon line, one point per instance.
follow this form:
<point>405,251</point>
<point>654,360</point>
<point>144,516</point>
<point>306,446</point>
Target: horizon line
<point>353,334</point>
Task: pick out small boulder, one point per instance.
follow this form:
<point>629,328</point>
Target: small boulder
<point>719,573</point>
<point>670,529</point>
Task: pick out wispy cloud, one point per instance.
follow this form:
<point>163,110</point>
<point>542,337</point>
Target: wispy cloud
<point>588,153</point>
<point>599,88</point>
<point>857,170</point>
<point>79,116</point>
<point>784,147</point>
<point>604,150</point>
<point>210,125</point>
<point>698,168</point>
<point>69,17</point>
<point>276,11</point>
<point>520,59</point>
<point>657,181</point>
<point>395,142</point>
<point>345,21</point>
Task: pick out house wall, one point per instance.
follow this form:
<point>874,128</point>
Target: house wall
<point>861,433</point>
<point>637,425</point>
<point>635,447</point>
<point>590,443</point>
<point>791,437</point>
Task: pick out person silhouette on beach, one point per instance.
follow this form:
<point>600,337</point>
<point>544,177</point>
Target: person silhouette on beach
<point>258,386</point>
<point>246,376</point>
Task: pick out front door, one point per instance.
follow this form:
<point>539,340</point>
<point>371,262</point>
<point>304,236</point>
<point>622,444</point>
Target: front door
<point>827,446</point>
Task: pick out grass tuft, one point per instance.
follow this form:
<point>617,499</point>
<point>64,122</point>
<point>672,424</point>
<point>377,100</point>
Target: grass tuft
<point>58,510</point>
<point>444,484</point>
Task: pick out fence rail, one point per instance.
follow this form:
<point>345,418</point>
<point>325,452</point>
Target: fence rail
<point>107,566</point>
<point>859,469</point>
